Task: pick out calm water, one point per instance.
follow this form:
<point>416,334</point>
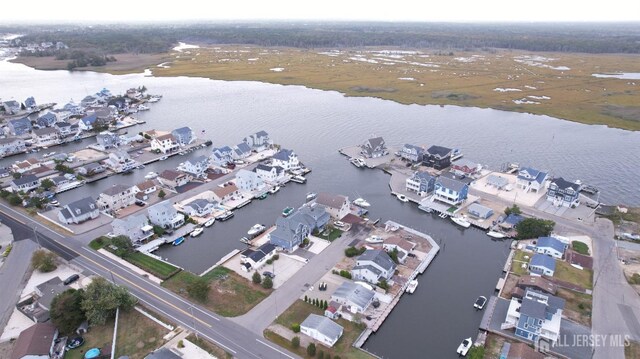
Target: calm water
<point>316,124</point>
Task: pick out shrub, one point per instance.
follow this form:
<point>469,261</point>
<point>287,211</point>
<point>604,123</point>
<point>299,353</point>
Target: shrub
<point>353,251</point>
<point>44,261</point>
<point>311,349</point>
<point>345,273</point>
<point>269,261</point>
<point>512,210</point>
<point>295,327</point>
<point>257,278</point>
<point>161,194</point>
<point>295,342</point>
<point>180,344</point>
<point>383,284</point>
<point>276,257</point>
<point>267,283</point>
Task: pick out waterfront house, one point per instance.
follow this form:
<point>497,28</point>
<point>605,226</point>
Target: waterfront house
<point>249,181</point>
<point>336,205</point>
<point>225,193</point>
<point>542,264</point>
<point>271,174</point>
<point>173,179</point>
<point>258,141</point>
<point>164,215</point>
<point>4,172</point>
<point>135,226</point>
<point>253,259</point>
<point>37,341</point>
<point>88,122</point>
<point>30,103</point>
<point>412,153</point>
<point>531,180</point>
<point>25,183</point>
<point>107,140</point>
<point>498,182</point>
<point>373,266</point>
<point>120,103</point>
<point>321,329</point>
<point>550,246</point>
<point>89,101</point>
<point>479,211</point>
<point>195,166</point>
<point>538,283</point>
<point>146,187</point>
<point>437,157</point>
<point>287,159</point>
<point>199,208</point>
<point>450,190</point>
<point>316,216</point>
<point>564,193</point>
<point>164,144</point>
<point>73,108</point>
<point>421,182</point>
<point>48,136</point>
<point>64,128</point>
<point>47,120</point>
<point>465,167</point>
<point>11,107</point>
<point>353,296</point>
<point>183,136</point>
<point>19,126</point>
<point>374,147</point>
<point>221,156</point>
<point>120,161</point>
<point>27,165</point>
<point>401,245</point>
<point>116,197</point>
<point>536,316</point>
<point>511,221</point>
<point>241,151</point>
<point>11,145</point>
<point>91,169</point>
<point>289,232</point>
<point>79,211</point>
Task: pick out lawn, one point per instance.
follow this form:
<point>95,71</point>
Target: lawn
<point>209,347</point>
<point>333,234</point>
<point>518,259</point>
<point>566,272</point>
<point>580,247</point>
<point>632,350</point>
<point>297,313</point>
<point>493,345</point>
<point>230,294</point>
<point>577,306</point>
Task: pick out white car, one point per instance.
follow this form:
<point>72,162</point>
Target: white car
<point>111,235</point>
<point>339,224</point>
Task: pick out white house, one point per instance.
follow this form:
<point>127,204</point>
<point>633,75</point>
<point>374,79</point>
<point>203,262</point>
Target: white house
<point>401,245</point>
<point>287,159</point>
<point>241,151</point>
<point>116,197</point>
<point>321,329</point>
<point>421,182</point>
<point>336,205</point>
<point>353,296</point>
<point>26,165</point>
<point>11,145</point>
<point>249,181</point>
<point>374,147</point>
<point>183,135</point>
<point>79,211</point>
<point>258,141</point>
<point>373,266</point>
<point>164,215</point>
<point>253,259</point>
<point>199,208</point>
<point>173,179</point>
<point>48,136</point>
<point>550,246</point>
<point>120,161</point>
<point>222,155</point>
<point>412,153</point>
<point>531,180</point>
<point>106,140</point>
<point>25,183</point>
<point>541,264</point>
<point>195,166</point>
<point>450,191</point>
<point>225,193</point>
<point>136,227</point>
<point>165,144</point>
<point>146,187</point>
<point>270,174</point>
<point>536,316</point>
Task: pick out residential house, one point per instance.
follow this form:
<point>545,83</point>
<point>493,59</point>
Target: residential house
<point>249,181</point>
<point>164,144</point>
<point>531,180</point>
<point>541,264</point>
<point>564,193</point>
<point>4,173</point>
<point>19,126</point>
<point>120,103</point>
<point>183,136</point>
<point>498,182</point>
<point>11,107</point>
<point>46,291</point>
<point>72,108</point>
<point>135,226</point>
<point>465,167</point>
<point>88,122</point>
<point>120,161</point>
<point>30,103</point>
<point>222,155</point>
<point>64,128</point>
<point>27,165</point>
<point>374,147</point>
<point>289,232</point>
<point>107,140</point>
<point>536,316</point>
<point>173,179</point>
<point>91,169</point>
<point>550,246</point>
<point>36,342</point>
<point>287,159</point>
<point>321,329</point>
<point>270,174</point>
<point>89,101</point>
<point>241,151</point>
<point>437,157</point>
<point>146,187</point>
<point>199,208</point>
<point>402,247</point>
<point>538,283</point>
<point>315,215</point>
<point>116,197</point>
<point>225,193</point>
<point>373,266</point>
<point>45,137</point>
<point>258,141</point>
<point>511,221</point>
<point>479,211</point>
<point>421,182</point>
<point>336,205</point>
<point>412,153</point>
<point>253,259</point>
<point>47,120</point>
<point>450,190</point>
<point>195,166</point>
<point>79,211</point>
<point>164,215</point>
<point>11,145</point>
<point>353,296</point>
<point>25,183</point>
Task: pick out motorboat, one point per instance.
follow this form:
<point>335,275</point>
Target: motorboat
<point>245,240</point>
<point>226,215</point>
<point>311,196</point>
<point>178,241</point>
<point>360,202</point>
<point>496,234</point>
<point>274,190</point>
<point>298,179</point>
<point>262,196</point>
<point>461,221</point>
<point>196,232</point>
<point>209,222</point>
<point>402,198</point>
<point>374,239</point>
<point>413,284</point>
<point>256,229</point>
<point>358,162</point>
<point>55,203</point>
<point>480,302</point>
<point>163,158</point>
<point>143,108</point>
<point>287,211</point>
<point>151,175</point>
<point>464,347</point>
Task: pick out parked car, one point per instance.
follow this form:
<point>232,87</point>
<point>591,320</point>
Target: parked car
<point>71,279</point>
<point>268,274</point>
<point>140,203</point>
<point>339,224</point>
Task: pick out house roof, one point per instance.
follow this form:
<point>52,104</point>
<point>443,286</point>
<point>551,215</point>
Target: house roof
<point>89,119</point>
<point>198,159</point>
<point>533,174</point>
<point>379,257</point>
<point>479,209</point>
<point>131,223</point>
<point>183,130</point>
<point>50,289</point>
<point>143,186</point>
<point>171,175</point>
<point>463,162</point>
<point>439,151</point>
<point>35,340</point>
<point>331,200</point>
<point>116,189</point>
<point>422,176</point>
<point>20,122</point>
<point>45,131</point>
<point>198,204</point>
<point>579,259</point>
<point>354,293</point>
<point>286,228</point>
<point>552,303</point>
<point>283,155</point>
<point>400,242</point>
<point>375,142</point>
<point>537,282</point>
<point>163,353</point>
<point>62,124</point>
<point>4,141</point>
<point>551,242</point>
<point>542,260</point>
<point>533,308</point>
<point>315,214</point>
<point>418,149</point>
<point>513,219</point>
<point>564,184</point>
<point>49,116</point>
<point>25,179</point>
<point>243,147</point>
<point>224,191</point>
<point>168,136</point>
<point>323,325</point>
<point>497,181</point>
<point>261,252</point>
<point>164,206</point>
<point>265,168</point>
<point>84,205</point>
<point>451,183</point>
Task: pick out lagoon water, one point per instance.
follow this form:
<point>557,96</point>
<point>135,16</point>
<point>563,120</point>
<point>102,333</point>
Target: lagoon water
<point>433,321</point>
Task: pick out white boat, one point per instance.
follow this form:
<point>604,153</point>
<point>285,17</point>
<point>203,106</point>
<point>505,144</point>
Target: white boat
<point>196,232</point>
<point>256,229</point>
<point>143,108</point>
<point>495,234</point>
<point>298,179</point>
<point>464,347</point>
<point>358,162</point>
<point>461,222</point>
<point>209,222</point>
<point>274,189</point>
<point>374,239</point>
<point>153,99</point>
<point>311,196</point>
<point>163,158</point>
<point>412,286</point>
<point>224,216</point>
<point>151,175</point>
<point>360,202</point>
<point>480,302</point>
<point>402,198</point>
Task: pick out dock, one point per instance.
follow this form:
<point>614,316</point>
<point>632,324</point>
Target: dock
<point>221,261</point>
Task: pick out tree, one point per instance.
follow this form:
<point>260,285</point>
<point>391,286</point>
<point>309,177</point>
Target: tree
<point>315,301</point>
<point>512,210</point>
<point>101,299</point>
<point>63,168</point>
<point>295,327</point>
<point>257,278</point>
<point>123,245</point>
<point>158,231</point>
<point>534,228</point>
<point>295,342</point>
<point>161,194</point>
<point>383,284</point>
<point>325,305</point>
<point>14,199</point>
<point>321,355</point>
<point>394,255</point>
<point>267,283</point>
<point>306,299</point>
<point>44,261</point>
<point>311,349</point>
<point>46,184</point>
<point>66,310</point>
<point>199,289</point>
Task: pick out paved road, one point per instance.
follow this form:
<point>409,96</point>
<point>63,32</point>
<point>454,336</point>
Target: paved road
<point>14,274</point>
<point>240,342</point>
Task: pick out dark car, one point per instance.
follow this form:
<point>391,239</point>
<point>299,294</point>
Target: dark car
<point>268,274</point>
<point>71,279</point>
<point>75,342</point>
<point>140,203</point>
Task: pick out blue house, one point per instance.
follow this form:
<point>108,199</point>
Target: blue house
<point>222,155</point>
<point>541,264</point>
<point>183,135</point>
<point>292,230</point>
<point>241,150</point>
<point>531,180</point>
<point>550,246</point>
<point>479,211</point>
<point>564,193</point>
<point>86,123</point>
<point>47,120</point>
<point>450,190</point>
<point>421,182</point>
<point>511,221</point>
<point>30,103</point>
<point>20,126</point>
<point>536,316</point>
<point>412,153</point>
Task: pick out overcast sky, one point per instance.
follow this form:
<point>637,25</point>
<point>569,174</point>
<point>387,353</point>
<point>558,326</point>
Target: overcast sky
<point>391,10</point>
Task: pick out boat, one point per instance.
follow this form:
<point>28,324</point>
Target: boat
<point>196,232</point>
<point>163,158</point>
<point>245,240</point>
<point>402,198</point>
<point>480,302</point>
<point>360,202</point>
<point>464,347</point>
<point>92,353</point>
<point>589,189</point>
<point>374,239</point>
<point>496,234</point>
<point>178,241</point>
<point>287,211</point>
<point>55,203</point>
<point>143,108</point>
<point>256,229</point>
<point>261,196</point>
<point>461,222</point>
<point>311,196</point>
<point>226,215</point>
<point>274,189</point>
<point>153,99</point>
<point>140,166</point>
<point>209,222</point>
<point>413,284</point>
<point>358,162</point>
<point>298,179</point>
<point>456,154</point>
<point>151,175</point>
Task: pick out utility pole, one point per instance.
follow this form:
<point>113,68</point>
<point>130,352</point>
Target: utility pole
<point>193,318</point>
<point>35,234</point>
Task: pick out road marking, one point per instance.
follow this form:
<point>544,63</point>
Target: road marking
<point>276,349</point>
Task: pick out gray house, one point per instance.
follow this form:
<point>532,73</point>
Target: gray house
<point>421,182</point>
<point>11,145</point>
<point>258,141</point>
<point>222,155</point>
<point>107,140</point>
<point>289,232</point>
<point>241,151</point>
<point>20,126</point>
<point>479,211</point>
<point>183,135</point>
<point>353,296</point>
<point>373,266</point>
<point>25,183</point>
<point>47,120</point>
<point>412,153</point>
<point>30,103</point>
<point>321,329</point>
<point>199,207</point>
<point>136,227</point>
<point>79,211</point>
<point>374,147</point>
<point>164,215</point>
<point>11,107</point>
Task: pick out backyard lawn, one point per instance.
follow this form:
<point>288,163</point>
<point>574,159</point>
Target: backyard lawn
<point>568,273</point>
<point>518,260</point>
<point>331,234</point>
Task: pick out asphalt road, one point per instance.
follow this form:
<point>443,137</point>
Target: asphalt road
<point>14,274</point>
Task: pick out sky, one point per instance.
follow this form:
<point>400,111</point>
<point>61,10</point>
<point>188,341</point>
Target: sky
<point>360,10</point>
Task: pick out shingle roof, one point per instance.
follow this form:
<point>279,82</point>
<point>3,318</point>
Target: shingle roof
<point>379,257</point>
<point>532,308</point>
<point>462,162</point>
<point>439,151</point>
<point>418,149</point>
<point>25,179</point>
<point>198,203</point>
<point>552,243</point>
<point>450,183</point>
<point>330,200</point>
<point>497,181</point>
<point>242,146</point>
<point>534,174</point>
<point>223,191</point>
<point>84,205</point>
<point>35,340</point>
<point>422,176</point>
<point>541,260</point>
<point>564,184</point>
<point>145,185</point>
<point>283,155</point>
<point>513,219</point>
<point>479,209</point>
<point>45,131</point>
<point>171,175</point>
<point>323,325</point>
<point>115,189</point>
<point>354,293</point>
